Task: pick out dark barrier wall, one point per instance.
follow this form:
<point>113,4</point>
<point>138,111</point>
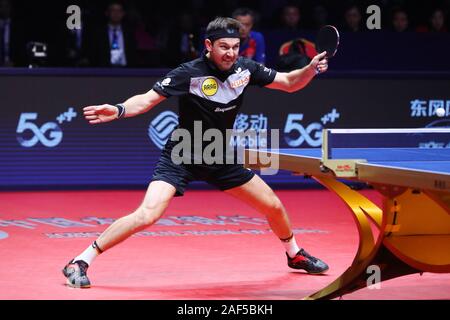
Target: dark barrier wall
<point>45,141</point>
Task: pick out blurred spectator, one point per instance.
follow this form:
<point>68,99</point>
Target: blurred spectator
<point>436,22</point>
<point>5,27</point>
<point>12,43</point>
<point>148,53</point>
<point>114,44</point>
<point>290,18</point>
<point>400,20</point>
<point>159,28</point>
<point>184,40</point>
<point>147,35</point>
<point>75,45</point>
<point>353,19</point>
<point>252,43</point>
<point>319,16</point>
<point>76,48</point>
<point>295,54</point>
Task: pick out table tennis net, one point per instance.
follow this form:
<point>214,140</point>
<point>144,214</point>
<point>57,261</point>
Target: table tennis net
<point>387,144</point>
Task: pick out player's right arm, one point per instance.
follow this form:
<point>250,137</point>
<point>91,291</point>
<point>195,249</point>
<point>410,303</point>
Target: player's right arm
<point>134,106</point>
<point>175,83</point>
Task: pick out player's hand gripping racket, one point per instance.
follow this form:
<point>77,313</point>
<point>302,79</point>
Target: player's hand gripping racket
<point>328,40</point>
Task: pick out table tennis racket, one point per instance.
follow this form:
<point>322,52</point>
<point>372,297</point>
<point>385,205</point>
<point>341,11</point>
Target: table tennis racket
<point>328,40</point>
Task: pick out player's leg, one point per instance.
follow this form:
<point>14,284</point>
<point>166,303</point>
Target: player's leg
<point>156,200</point>
<point>260,196</point>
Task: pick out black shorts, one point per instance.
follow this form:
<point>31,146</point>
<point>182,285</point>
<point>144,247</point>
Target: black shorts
<point>224,177</point>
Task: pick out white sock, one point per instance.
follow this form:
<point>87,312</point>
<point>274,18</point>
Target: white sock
<point>88,255</point>
<point>291,247</point>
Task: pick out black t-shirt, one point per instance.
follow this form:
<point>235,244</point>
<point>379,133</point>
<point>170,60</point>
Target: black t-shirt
<point>209,95</point>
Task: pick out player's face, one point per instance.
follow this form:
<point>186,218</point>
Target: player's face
<point>224,52</point>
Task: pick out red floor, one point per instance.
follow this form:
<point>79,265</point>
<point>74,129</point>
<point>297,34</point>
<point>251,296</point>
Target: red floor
<point>208,246</point>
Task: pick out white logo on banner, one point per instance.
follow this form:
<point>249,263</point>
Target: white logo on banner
<point>39,134</point>
<point>49,134</point>
<point>427,108</point>
<point>311,133</point>
<point>161,127</point>
<point>256,122</point>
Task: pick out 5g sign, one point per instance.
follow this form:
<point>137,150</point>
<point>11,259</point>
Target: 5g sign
<point>49,134</point>
<point>312,134</point>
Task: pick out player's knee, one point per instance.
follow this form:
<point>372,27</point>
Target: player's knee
<point>147,215</point>
<point>275,206</point>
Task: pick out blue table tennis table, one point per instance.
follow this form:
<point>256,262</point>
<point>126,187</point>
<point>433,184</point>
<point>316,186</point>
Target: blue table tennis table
<point>410,168</point>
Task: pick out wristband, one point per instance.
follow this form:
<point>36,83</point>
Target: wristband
<point>121,109</point>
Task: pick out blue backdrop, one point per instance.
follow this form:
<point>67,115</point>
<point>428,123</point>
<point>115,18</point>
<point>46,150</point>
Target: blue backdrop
<point>46,143</point>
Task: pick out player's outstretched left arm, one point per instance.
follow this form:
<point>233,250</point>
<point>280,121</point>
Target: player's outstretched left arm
<point>132,107</point>
<point>298,79</point>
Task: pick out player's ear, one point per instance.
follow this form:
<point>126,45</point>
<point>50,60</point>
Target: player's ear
<point>208,45</point>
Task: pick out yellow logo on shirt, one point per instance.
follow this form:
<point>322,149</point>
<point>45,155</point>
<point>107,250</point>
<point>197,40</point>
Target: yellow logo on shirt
<point>210,87</point>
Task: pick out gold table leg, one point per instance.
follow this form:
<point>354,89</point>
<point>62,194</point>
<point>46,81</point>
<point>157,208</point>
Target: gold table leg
<point>414,235</point>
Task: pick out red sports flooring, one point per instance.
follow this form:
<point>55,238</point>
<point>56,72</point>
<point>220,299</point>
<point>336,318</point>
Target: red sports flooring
<point>207,246</point>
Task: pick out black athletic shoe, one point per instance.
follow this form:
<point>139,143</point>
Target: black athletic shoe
<point>75,272</point>
<point>307,262</point>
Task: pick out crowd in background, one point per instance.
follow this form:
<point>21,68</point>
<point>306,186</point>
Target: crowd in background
<point>159,34</point>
